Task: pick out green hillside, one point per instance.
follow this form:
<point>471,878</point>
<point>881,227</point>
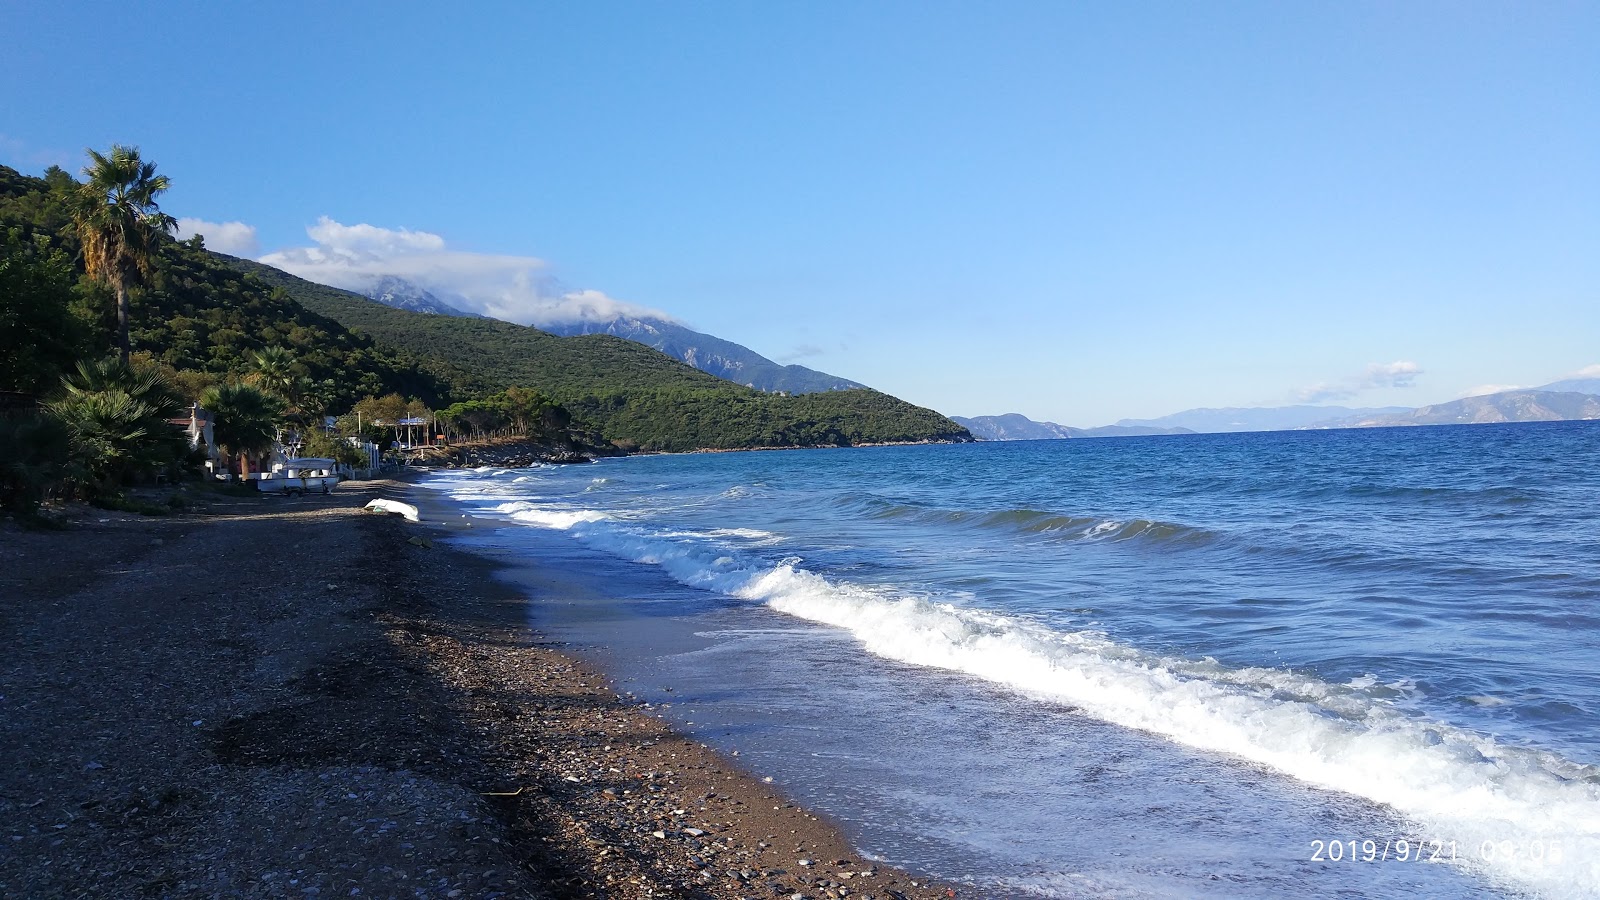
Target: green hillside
<point>634,394</point>
<point>204,317</point>
<point>500,352</point>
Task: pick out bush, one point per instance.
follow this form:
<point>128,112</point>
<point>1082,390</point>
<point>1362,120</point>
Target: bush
<point>32,451</point>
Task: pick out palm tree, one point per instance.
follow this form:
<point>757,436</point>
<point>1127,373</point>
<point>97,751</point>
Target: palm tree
<point>274,371</point>
<point>117,218</point>
<point>115,418</point>
<point>143,383</point>
<point>246,418</point>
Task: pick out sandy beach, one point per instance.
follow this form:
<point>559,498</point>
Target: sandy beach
<point>274,697</point>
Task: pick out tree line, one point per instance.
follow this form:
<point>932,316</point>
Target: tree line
<point>111,325</point>
<point>113,329</point>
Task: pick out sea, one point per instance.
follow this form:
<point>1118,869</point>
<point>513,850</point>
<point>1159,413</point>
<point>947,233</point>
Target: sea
<point>1360,663</point>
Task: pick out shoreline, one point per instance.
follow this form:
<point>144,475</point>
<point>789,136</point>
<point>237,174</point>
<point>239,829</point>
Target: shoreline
<point>704,810</point>
<point>516,453</point>
<point>190,713</point>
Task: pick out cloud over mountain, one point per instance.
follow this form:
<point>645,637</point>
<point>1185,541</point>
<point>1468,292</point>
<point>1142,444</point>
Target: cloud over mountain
<point>1398,374</point>
<point>514,288</point>
<point>232,238</point>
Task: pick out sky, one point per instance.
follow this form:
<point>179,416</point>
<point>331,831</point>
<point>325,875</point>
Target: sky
<point>1077,211</point>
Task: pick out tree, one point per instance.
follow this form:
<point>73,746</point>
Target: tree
<point>118,222</point>
<point>318,442</point>
<point>41,335</point>
<point>274,370</point>
<point>476,418</point>
<point>245,418</point>
<point>115,418</point>
<point>32,451</point>
<point>387,409</point>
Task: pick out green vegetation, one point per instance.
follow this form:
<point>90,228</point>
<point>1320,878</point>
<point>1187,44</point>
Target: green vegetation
<point>635,396</point>
<point>42,334</point>
<point>33,456</point>
<point>200,320</point>
<point>115,417</point>
<point>246,418</point>
<point>119,224</point>
<point>514,411</point>
<point>89,267</point>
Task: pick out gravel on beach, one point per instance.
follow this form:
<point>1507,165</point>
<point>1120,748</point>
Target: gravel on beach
<point>290,697</point>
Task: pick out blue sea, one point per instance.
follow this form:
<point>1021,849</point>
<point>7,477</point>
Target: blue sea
<point>1290,664</point>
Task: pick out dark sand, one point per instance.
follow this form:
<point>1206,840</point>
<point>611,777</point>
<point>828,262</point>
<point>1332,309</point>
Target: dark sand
<point>293,698</point>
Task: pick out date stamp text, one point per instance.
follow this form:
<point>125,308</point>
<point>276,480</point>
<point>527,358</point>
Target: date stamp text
<point>1437,851</point>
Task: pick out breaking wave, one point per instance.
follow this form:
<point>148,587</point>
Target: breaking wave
<point>1499,803</point>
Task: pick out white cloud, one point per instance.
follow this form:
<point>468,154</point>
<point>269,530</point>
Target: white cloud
<point>1486,389</point>
<point>1585,372</point>
<point>359,242</point>
<point>1398,374</point>
<point>232,238</point>
<point>515,288</point>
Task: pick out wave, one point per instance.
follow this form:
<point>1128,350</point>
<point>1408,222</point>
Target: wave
<point>1525,818</point>
<point>546,517</point>
<point>1466,497</point>
<point>1041,523</point>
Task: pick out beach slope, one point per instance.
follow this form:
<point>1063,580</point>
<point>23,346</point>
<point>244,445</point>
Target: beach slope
<point>294,697</point>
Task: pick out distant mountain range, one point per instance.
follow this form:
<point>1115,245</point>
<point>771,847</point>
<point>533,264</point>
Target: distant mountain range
<point>708,353</point>
<point>1262,418</point>
<point>402,294</point>
<point>1018,427</point>
<point>1507,406</point>
<point>1580,385</point>
<point>1573,398</point>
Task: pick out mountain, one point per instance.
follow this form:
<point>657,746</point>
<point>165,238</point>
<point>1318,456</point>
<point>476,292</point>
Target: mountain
<point>708,353</point>
<point>1578,385</point>
<point>1264,418</point>
<point>402,294</point>
<point>1012,427</point>
<point>722,358</point>
<point>198,318</point>
<point>1018,427</point>
<point>1579,399</point>
<point>1508,406</point>
<point>637,397</point>
<point>1129,431</point>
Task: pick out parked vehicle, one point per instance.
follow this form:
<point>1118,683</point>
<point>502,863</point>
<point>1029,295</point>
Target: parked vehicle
<point>301,475</point>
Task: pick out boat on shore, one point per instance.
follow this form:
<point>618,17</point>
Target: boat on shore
<point>302,475</point>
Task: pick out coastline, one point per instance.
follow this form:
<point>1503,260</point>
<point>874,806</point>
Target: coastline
<point>275,695</point>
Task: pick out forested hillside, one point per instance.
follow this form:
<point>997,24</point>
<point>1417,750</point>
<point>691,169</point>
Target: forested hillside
<point>199,317</point>
<point>636,395</point>
<point>204,319</point>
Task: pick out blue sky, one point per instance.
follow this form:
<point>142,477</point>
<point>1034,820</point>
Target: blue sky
<point>1077,211</point>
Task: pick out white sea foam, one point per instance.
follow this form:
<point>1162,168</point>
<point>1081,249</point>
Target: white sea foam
<point>546,517</point>
<point>1103,528</point>
<point>1522,818</point>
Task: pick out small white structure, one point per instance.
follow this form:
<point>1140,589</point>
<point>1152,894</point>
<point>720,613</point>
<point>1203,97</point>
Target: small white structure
<point>395,506</point>
<point>299,476</point>
<point>197,430</point>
